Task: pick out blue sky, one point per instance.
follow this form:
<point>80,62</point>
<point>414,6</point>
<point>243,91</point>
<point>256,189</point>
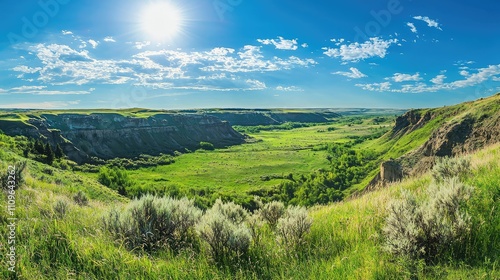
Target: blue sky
<point>247,53</point>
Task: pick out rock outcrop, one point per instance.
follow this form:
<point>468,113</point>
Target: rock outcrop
<point>113,135</point>
<point>390,171</point>
<point>410,121</point>
<point>270,117</point>
<point>459,129</point>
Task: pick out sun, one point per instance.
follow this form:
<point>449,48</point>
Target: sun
<point>161,21</point>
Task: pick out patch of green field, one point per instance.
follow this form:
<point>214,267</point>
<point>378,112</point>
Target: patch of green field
<point>239,169</point>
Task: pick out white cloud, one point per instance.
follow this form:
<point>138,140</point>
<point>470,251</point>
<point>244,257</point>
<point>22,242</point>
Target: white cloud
<point>42,90</point>
<point>281,44</point>
<point>63,65</point>
<point>398,77</point>
<point>41,105</point>
<point>216,69</point>
<point>464,73</point>
<point>355,52</point>
<point>430,22</point>
<point>412,27</point>
<point>304,45</point>
<point>482,75</point>
<point>256,84</point>
<point>141,45</point>
<point>27,88</point>
<point>109,39</point>
<point>289,88</point>
<point>439,79</point>
<point>93,43</point>
<point>354,74</point>
<point>83,44</point>
<point>385,86</point>
<point>66,32</point>
<point>338,42</point>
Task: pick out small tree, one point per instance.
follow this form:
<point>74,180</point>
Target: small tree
<point>59,153</point>
<point>49,154</point>
<point>38,147</point>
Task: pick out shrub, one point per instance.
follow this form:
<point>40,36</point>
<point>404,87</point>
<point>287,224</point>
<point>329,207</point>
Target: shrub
<point>151,223</point>
<point>272,212</point>
<point>431,228</point>
<point>255,225</point>
<point>450,167</point>
<point>223,228</point>
<point>60,208</point>
<point>293,227</point>
<point>115,178</point>
<point>207,146</point>
<point>403,226</point>
<point>18,175</point>
<point>81,199</point>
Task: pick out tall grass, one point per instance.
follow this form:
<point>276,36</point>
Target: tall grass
<point>345,241</point>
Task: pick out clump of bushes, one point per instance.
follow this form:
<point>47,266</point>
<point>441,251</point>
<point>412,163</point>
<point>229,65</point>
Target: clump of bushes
<point>430,228</point>
<point>223,228</point>
<point>151,223</point>
<point>450,167</point>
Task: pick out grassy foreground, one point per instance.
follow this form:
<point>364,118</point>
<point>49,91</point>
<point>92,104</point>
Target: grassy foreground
<point>345,241</point>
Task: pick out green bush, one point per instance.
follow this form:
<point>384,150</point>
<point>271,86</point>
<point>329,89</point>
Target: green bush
<point>151,223</point>
<point>450,167</point>
<point>223,228</point>
<point>207,146</point>
<point>18,175</point>
<point>293,227</point>
<point>115,178</point>
<point>61,208</point>
<point>271,212</point>
<point>81,199</point>
<point>256,225</point>
<point>429,229</point>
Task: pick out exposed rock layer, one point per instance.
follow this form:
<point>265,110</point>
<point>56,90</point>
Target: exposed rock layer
<point>113,135</point>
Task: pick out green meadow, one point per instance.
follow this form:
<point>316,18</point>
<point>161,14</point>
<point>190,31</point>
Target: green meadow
<point>240,169</point>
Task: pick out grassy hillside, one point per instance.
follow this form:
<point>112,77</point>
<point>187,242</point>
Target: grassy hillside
<point>345,241</point>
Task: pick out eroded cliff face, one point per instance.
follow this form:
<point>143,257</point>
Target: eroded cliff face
<point>462,129</point>
<point>269,117</point>
<point>112,135</point>
<point>410,121</point>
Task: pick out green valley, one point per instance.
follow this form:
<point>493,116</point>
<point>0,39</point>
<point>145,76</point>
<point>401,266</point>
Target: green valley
<point>293,200</point>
